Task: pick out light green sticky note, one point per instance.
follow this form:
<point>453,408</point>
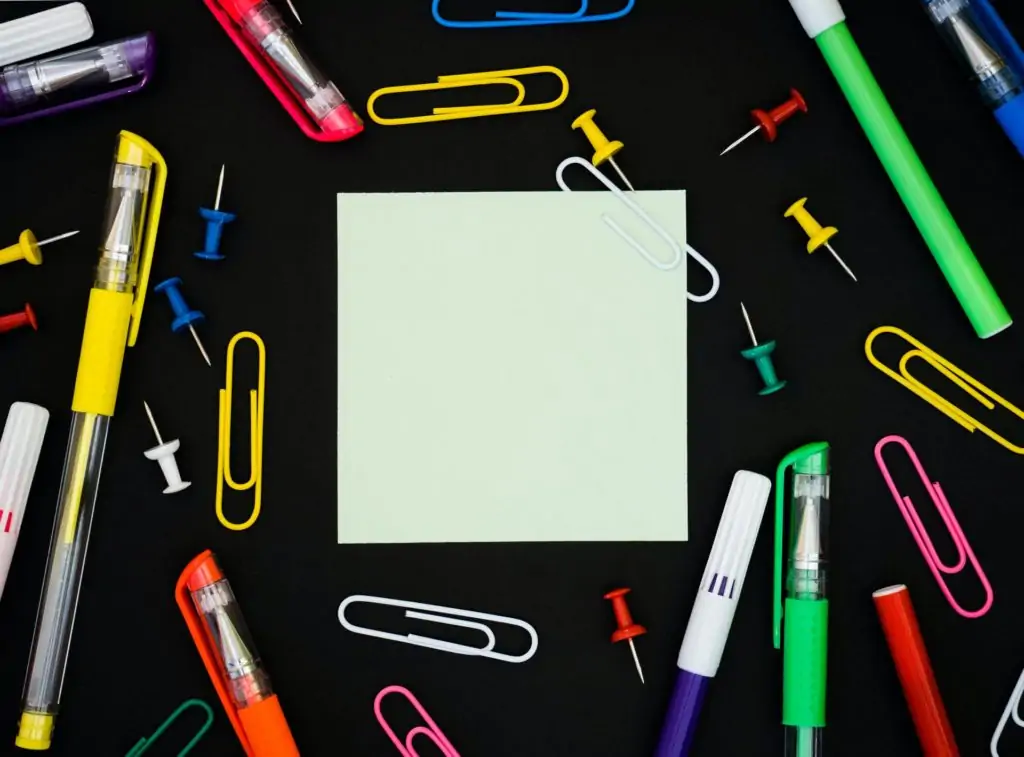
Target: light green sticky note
<point>509,369</point>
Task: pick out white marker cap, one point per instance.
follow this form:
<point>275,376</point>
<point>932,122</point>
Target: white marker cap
<point>44,32</point>
<point>817,16</point>
<point>722,583</point>
<point>19,453</point>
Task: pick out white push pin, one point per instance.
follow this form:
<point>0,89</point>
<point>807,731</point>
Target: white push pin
<point>164,454</point>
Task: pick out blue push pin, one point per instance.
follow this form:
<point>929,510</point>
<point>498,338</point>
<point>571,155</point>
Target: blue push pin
<point>215,220</point>
<point>183,316</point>
<point>761,354</point>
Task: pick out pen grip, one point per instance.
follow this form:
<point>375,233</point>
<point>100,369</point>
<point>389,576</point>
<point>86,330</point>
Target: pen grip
<point>804,662</point>
<point>103,346</point>
<point>267,729</point>
<point>683,712</point>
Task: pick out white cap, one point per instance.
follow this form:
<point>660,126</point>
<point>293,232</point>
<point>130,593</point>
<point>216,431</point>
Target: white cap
<point>44,32</point>
<point>19,453</point>
<point>818,15</point>
<point>720,587</point>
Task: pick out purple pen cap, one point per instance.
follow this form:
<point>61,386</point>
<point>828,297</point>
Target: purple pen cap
<point>140,52</point>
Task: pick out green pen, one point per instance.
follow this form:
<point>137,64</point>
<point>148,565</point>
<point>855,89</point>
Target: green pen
<point>802,622</point>
<point>825,23</point>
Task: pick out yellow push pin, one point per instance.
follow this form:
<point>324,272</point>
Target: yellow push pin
<point>27,248</point>
<point>603,149</point>
<point>817,234</point>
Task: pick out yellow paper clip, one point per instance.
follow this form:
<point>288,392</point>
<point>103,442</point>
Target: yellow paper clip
<point>483,79</point>
<point>967,383</point>
<point>256,397</point>
<point>145,743</point>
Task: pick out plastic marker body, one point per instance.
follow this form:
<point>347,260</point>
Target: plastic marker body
<point>19,452</point>
<point>218,629</point>
<point>824,21</point>
<point>994,60</point>
<point>75,79</point>
<point>258,29</point>
<point>713,610</point>
<point>111,325</point>
<point>804,635</point>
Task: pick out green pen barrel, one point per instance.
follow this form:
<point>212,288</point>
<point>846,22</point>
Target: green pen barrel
<point>957,262</point>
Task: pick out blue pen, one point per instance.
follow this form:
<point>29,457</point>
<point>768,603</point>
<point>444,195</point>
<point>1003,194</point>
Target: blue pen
<point>979,37</point>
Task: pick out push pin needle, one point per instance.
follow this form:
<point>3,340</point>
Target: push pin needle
<point>220,188</point>
<point>152,422</point>
<point>636,659</point>
<point>294,12</point>
<point>56,238</point>
<point>749,327</point>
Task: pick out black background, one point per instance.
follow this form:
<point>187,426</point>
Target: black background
<point>675,82</point>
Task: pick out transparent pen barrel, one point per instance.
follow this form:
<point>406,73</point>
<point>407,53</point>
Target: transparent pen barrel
<point>806,577</point>
<point>269,31</point>
<point>963,31</point>
<point>68,543</point>
<point>803,741</point>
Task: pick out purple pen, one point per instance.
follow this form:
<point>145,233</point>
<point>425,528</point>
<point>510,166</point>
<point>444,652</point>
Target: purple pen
<point>713,609</point>
<point>76,79</point>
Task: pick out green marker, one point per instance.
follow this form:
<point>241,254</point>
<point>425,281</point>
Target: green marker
<point>825,22</point>
<point>805,613</point>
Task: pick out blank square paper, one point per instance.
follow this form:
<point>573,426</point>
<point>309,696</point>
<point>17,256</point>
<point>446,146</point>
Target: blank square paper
<point>509,369</point>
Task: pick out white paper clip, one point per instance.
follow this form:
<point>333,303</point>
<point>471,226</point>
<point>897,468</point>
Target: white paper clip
<point>1012,709</point>
<point>448,616</point>
<point>677,250</point>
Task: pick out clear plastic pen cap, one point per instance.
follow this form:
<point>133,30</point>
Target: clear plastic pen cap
<point>43,32</point>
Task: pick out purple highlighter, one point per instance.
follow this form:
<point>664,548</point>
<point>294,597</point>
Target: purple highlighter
<point>72,80</point>
<point>711,618</point>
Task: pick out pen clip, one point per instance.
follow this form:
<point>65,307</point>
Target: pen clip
<point>272,78</point>
<point>209,656</point>
<point>158,165</point>
<point>780,493</point>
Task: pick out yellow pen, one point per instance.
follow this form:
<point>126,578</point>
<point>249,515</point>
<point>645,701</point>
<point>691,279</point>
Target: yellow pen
<point>111,323</point>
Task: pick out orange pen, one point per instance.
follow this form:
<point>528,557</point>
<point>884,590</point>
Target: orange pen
<point>215,621</point>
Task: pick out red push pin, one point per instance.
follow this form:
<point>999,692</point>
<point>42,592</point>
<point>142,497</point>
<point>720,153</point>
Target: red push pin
<point>769,122</point>
<point>627,628</point>
<point>26,317</point>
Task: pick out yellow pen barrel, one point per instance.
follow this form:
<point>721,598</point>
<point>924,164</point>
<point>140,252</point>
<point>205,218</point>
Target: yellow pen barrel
<point>64,567</point>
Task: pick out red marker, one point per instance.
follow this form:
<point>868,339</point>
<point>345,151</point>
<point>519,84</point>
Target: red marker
<point>769,121</point>
<point>915,671</point>
<point>26,317</point>
<point>628,630</point>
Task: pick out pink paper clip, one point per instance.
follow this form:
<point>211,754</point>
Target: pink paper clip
<point>924,542</point>
<point>430,730</point>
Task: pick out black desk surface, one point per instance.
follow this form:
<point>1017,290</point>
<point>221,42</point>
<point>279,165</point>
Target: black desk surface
<point>675,82</point>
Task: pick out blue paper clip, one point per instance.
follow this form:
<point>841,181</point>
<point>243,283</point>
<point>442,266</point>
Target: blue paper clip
<point>521,18</point>
<point>145,743</point>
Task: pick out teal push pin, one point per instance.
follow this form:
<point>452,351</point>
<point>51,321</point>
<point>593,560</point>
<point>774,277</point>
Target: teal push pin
<point>761,354</point>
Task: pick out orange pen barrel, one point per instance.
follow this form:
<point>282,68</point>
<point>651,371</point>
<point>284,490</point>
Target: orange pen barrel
<point>906,645</point>
<point>244,685</point>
